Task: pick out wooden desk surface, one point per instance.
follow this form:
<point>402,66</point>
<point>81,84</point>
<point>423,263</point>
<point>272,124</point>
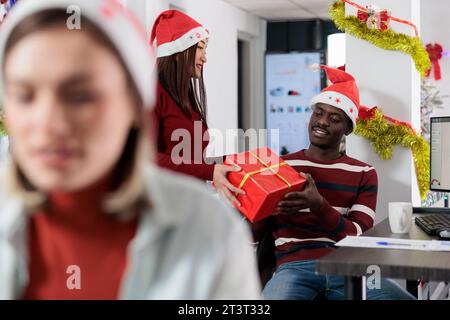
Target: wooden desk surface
<point>394,263</point>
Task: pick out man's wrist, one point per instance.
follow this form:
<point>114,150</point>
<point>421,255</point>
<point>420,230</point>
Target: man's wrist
<point>319,204</point>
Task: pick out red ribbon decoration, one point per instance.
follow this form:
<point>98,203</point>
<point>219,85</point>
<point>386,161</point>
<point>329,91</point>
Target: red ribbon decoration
<point>385,19</point>
<point>435,53</point>
<point>366,113</point>
<point>363,16</point>
<point>384,16</point>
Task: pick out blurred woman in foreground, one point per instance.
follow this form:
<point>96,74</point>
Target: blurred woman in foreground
<point>82,214</point>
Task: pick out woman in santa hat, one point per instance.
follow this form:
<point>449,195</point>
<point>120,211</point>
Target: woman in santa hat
<point>83,215</point>
<point>180,112</point>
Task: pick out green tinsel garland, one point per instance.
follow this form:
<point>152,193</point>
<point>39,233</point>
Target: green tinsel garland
<point>388,40</point>
<point>2,126</point>
<point>384,135</point>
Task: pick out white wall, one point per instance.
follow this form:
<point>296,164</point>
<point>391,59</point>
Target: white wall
<point>435,25</point>
<point>224,22</point>
<point>388,79</point>
<point>4,144</point>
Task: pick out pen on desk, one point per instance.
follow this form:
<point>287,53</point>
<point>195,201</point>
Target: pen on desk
<point>384,243</point>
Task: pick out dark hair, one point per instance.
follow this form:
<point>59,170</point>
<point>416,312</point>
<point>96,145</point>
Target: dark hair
<point>52,18</point>
<point>175,74</point>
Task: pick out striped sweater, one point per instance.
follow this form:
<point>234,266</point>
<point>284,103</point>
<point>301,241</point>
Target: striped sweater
<point>349,188</point>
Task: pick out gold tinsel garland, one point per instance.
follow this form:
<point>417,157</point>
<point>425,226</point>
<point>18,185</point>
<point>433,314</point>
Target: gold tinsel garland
<point>388,39</point>
<point>2,126</point>
<point>384,135</point>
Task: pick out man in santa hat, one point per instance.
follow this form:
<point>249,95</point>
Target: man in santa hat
<point>339,200</point>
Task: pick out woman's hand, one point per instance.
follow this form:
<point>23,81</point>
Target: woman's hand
<point>223,186</point>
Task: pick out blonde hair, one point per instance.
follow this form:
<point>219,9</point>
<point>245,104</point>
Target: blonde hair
<point>129,192</point>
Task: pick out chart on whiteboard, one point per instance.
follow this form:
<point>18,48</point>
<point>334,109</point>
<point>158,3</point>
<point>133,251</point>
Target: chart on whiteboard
<point>291,83</point>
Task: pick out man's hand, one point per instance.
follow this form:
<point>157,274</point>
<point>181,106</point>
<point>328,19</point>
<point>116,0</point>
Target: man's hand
<point>310,198</point>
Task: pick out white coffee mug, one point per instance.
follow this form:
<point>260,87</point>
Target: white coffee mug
<point>400,216</point>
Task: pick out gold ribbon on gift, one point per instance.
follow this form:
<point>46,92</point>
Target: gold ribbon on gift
<point>267,168</point>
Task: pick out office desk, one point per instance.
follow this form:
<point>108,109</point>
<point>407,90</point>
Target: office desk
<point>400,264</point>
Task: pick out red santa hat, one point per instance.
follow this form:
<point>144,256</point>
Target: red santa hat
<point>119,25</point>
<point>342,93</point>
<point>175,32</point>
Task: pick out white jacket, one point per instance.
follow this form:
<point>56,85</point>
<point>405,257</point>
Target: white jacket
<point>189,246</point>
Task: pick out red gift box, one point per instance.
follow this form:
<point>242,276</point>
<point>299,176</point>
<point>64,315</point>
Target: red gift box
<point>265,178</point>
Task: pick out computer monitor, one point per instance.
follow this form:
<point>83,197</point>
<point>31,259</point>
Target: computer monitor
<point>440,154</point>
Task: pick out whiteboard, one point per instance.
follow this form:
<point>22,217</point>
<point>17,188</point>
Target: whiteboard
<point>290,84</point>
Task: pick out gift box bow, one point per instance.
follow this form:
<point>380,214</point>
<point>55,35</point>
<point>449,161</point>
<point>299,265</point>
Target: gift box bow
<point>435,52</point>
<point>375,18</point>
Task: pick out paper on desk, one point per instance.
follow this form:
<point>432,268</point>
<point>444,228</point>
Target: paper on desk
<point>440,245</point>
<point>392,243</point>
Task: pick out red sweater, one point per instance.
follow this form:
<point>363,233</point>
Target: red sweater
<point>75,232</point>
<point>349,188</point>
<point>168,117</point>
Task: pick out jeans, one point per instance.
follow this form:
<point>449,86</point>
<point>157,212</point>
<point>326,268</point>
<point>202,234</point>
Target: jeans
<point>298,281</point>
